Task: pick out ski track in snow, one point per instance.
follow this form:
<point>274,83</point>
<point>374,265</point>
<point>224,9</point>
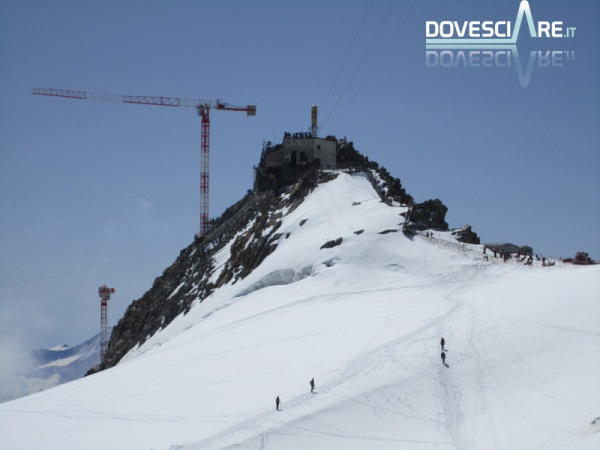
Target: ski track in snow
<point>368,361</point>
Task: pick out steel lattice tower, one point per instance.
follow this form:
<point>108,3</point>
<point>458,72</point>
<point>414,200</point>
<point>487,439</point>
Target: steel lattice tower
<point>104,292</point>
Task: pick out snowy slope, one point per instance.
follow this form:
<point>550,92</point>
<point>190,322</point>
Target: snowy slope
<point>364,319</point>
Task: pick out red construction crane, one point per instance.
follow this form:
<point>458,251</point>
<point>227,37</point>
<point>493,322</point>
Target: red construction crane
<point>104,292</point>
<point>202,106</point>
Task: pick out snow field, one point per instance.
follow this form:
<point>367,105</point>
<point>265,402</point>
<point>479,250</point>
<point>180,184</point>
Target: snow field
<point>364,319</point>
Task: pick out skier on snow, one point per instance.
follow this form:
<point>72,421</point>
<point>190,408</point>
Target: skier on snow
<point>277,403</point>
<point>442,342</point>
<point>312,386</point>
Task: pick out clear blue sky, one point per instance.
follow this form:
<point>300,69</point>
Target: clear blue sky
<point>96,192</point>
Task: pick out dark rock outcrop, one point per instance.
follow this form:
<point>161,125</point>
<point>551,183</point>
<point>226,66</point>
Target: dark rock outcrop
<point>332,243</point>
<point>389,188</point>
<point>467,235</point>
<point>431,214</point>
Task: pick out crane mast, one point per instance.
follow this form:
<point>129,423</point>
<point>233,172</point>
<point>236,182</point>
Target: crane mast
<point>202,106</point>
<point>204,146</point>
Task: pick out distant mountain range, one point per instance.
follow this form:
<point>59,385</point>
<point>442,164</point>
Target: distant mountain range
<point>69,363</point>
<point>49,367</point>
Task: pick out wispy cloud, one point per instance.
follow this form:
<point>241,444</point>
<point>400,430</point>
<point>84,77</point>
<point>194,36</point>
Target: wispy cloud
<point>17,366</point>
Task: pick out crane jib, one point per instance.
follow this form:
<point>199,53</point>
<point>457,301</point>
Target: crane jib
<point>60,93</point>
<point>145,100</point>
<point>162,101</point>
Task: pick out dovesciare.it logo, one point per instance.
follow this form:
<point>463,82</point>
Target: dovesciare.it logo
<point>494,43</point>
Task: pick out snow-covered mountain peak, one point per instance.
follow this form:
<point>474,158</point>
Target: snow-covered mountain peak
<point>327,286</point>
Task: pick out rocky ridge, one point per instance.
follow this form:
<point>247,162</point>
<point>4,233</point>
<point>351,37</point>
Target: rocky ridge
<point>250,228</point>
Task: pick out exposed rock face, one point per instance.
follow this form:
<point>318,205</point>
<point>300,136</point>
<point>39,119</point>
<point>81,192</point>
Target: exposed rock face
<point>388,187</point>
<point>331,244</point>
<point>430,214</point>
<point>250,227</point>
<point>467,235</point>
